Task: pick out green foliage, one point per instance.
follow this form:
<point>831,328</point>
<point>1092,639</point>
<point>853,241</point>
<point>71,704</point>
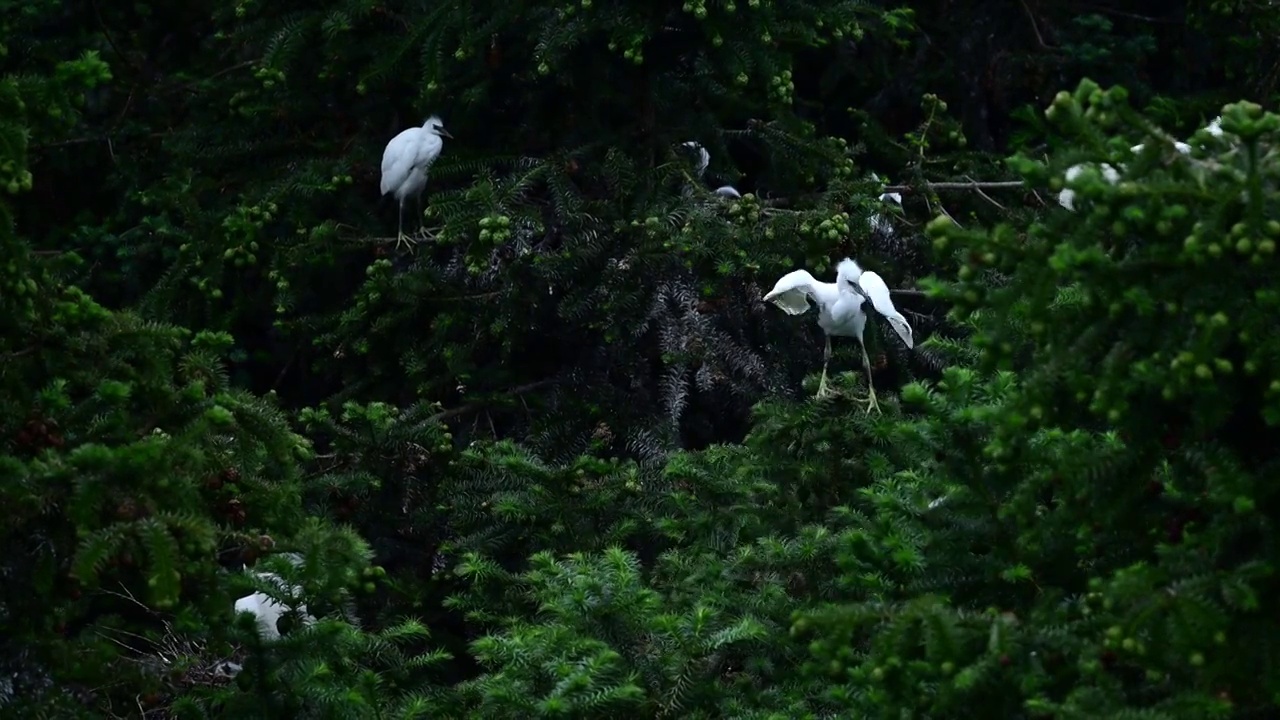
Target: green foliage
<point>1126,471</point>
<point>555,461</point>
<point>134,472</point>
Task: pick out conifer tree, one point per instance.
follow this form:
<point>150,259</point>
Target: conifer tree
<point>1110,557</point>
<point>135,476</point>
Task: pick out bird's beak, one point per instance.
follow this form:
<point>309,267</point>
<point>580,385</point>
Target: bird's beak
<point>444,133</point>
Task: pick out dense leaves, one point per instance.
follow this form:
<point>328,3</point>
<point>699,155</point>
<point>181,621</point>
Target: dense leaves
<point>560,459</point>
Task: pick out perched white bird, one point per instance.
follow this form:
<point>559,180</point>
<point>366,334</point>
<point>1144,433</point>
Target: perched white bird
<point>704,157</point>
<point>704,161</point>
<point>268,611</point>
<point>881,223</point>
<point>405,163</point>
<point>1066,196</point>
<point>840,310</point>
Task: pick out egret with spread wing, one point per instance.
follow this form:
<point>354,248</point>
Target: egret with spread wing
<point>840,310</point>
<point>405,163</point>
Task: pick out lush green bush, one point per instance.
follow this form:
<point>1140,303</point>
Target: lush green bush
<point>560,461</point>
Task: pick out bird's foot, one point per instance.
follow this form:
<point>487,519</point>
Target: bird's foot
<point>870,400</point>
<point>825,391</point>
<point>425,234</point>
<point>408,241</point>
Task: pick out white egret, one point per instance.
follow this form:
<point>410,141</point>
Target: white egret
<point>1066,196</point>
<point>704,157</point>
<point>704,161</point>
<point>267,611</point>
<point>405,163</point>
<point>879,222</point>
<point>840,310</point>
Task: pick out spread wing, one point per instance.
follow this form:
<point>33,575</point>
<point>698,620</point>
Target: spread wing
<point>874,287</point>
<point>398,159</point>
<point>792,292</point>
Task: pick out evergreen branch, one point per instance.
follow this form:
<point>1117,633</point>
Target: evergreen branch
<point>480,404</point>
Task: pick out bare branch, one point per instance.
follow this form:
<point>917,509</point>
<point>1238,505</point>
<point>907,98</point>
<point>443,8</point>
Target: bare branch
<point>481,404</point>
<point>968,185</point>
<point>91,139</point>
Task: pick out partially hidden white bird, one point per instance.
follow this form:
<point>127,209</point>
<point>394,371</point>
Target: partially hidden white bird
<point>704,157</point>
<point>840,310</point>
<point>704,161</point>
<point>879,222</point>
<point>405,163</point>
<point>1067,196</point>
<point>265,609</point>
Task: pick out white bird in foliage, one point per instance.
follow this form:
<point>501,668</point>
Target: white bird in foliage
<point>840,310</point>
<point>267,611</point>
<point>879,222</point>
<point>704,161</point>
<point>704,157</point>
<point>405,163</point>
<point>1066,196</point>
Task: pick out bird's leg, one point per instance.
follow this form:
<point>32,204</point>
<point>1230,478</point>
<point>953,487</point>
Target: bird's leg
<point>422,223</point>
<point>871,389</point>
<point>823,391</point>
<point>401,238</point>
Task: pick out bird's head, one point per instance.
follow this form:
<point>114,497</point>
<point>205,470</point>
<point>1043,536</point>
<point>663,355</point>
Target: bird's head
<point>848,271</point>
<point>435,126</point>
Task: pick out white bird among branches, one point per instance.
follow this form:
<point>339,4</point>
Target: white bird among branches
<point>1066,196</point>
<point>404,167</point>
<point>840,310</point>
<point>700,169</point>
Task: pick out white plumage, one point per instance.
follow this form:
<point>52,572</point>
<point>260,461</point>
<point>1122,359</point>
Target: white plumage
<point>267,611</point>
<point>704,161</point>
<point>1067,196</point>
<point>879,222</point>
<point>405,163</point>
<point>840,309</point>
<point>704,157</point>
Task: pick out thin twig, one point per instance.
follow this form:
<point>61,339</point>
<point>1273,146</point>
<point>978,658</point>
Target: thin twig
<point>87,140</point>
<point>983,194</point>
<point>476,296</point>
<point>943,210</point>
<point>1034,26</point>
<point>102,25</point>
<point>480,404</point>
<point>1135,16</point>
